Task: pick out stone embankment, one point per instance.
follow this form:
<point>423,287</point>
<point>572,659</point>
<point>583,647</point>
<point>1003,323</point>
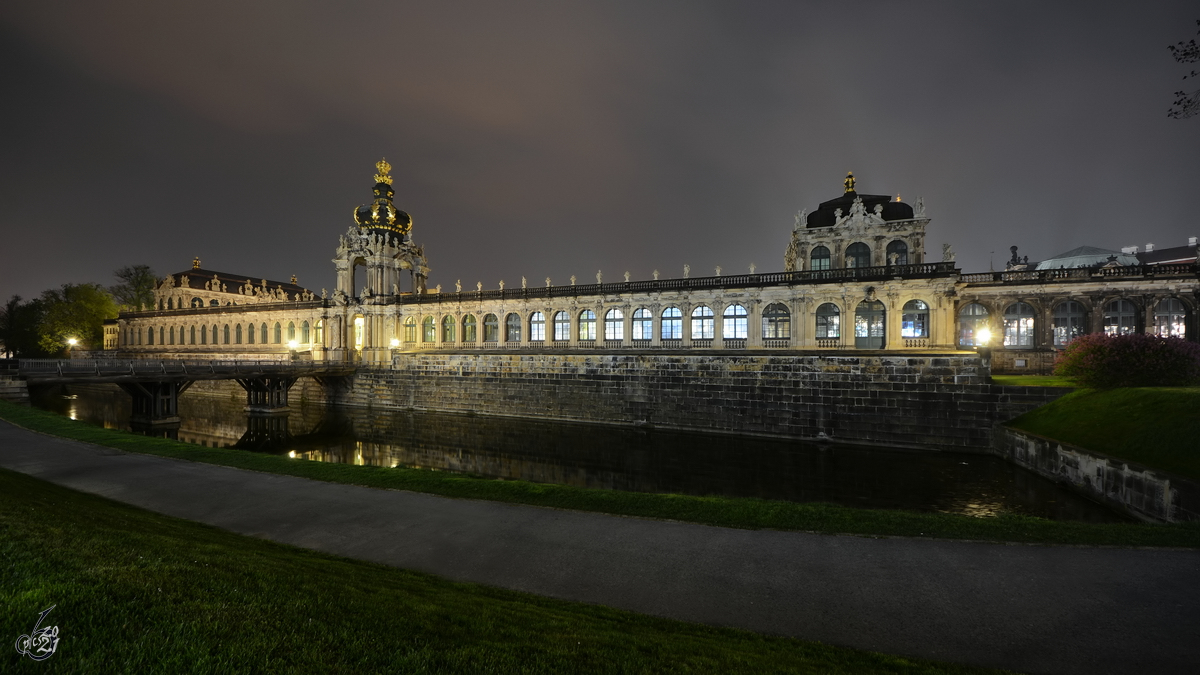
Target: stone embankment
<point>938,400</point>
<point>1144,493</point>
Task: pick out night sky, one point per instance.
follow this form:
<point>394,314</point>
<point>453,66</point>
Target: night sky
<point>560,138</point>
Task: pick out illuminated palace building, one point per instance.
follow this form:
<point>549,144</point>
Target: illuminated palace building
<point>855,278</point>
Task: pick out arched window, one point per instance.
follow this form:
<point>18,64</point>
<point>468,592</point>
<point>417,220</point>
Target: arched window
<point>197,302</point>
<point>192,331</point>
<point>320,337</point>
<point>643,324</point>
<point>448,324</point>
<point>972,319</point>
<point>278,333</point>
<point>250,333</point>
<point>702,323</point>
<point>562,326</point>
<point>427,330</point>
<point>898,249</point>
<point>161,334</point>
<point>304,333</point>
<point>491,328</point>
<point>672,324</point>
<point>150,335</point>
<point>776,322</point>
<point>512,328</point>
<point>171,335</point>
<point>537,327</point>
<point>469,328</point>
<point>203,335</point>
<point>869,325</point>
<point>858,254</point>
<point>237,334</point>
<point>262,333</point>
<point>734,323</point>
<point>914,320</point>
<point>614,325</point>
<point>291,332</point>
<point>225,334</point>
<point>1170,318</point>
<point>1068,322</point>
<point>410,329</point>
<point>160,305</point>
<point>829,321</point>
<point>587,325</point>
<point>1120,317</point>
<point>820,258</point>
<point>170,303</point>
<point>1018,325</point>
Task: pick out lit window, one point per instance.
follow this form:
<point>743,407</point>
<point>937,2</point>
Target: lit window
<point>562,326</point>
<point>776,322</point>
<point>1170,318</point>
<point>410,329</point>
<point>469,328</point>
<point>914,320</point>
<point>643,324</point>
<point>972,319</point>
<point>587,325</point>
<point>820,258</point>
<point>614,325</point>
<point>428,330</point>
<point>304,333</point>
<point>829,321</point>
<point>672,324</point>
<point>702,323</point>
<point>734,324</point>
<point>1068,322</point>
<point>291,332</point>
<point>512,328</point>
<point>537,327</point>
<point>1018,325</point>
<point>448,324</point>
<point>1120,317</point>
<point>491,328</point>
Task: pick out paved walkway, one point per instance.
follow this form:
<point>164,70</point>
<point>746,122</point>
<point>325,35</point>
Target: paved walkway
<point>1029,608</point>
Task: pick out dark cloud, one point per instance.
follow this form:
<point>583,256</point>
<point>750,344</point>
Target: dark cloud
<point>550,139</point>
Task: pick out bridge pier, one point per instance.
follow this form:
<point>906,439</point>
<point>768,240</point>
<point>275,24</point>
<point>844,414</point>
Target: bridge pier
<point>268,394</point>
<point>155,404</point>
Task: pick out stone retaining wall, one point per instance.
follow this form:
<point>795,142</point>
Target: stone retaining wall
<point>1144,493</point>
<point>929,400</point>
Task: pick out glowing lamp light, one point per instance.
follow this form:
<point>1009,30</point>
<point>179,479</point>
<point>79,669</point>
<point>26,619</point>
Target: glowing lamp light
<point>983,336</point>
<point>292,454</point>
<point>292,344</point>
<point>395,343</point>
<point>72,341</point>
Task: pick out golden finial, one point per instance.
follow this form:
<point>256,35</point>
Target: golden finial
<point>384,169</point>
<point>849,182</point>
<point>196,263</point>
<point>898,197</point>
<point>293,279</point>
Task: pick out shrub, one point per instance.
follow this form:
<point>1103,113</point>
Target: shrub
<point>1135,360</point>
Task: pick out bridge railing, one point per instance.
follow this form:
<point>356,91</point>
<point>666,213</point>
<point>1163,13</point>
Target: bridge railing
<point>167,367</point>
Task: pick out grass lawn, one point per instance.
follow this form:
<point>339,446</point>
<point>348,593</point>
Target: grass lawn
<point>137,592</point>
<point>1158,427</point>
<point>1034,381</point>
<point>724,511</point>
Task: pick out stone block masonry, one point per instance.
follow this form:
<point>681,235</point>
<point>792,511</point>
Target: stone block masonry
<point>938,400</point>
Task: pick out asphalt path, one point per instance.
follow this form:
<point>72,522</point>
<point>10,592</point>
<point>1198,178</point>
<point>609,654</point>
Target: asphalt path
<point>1040,609</point>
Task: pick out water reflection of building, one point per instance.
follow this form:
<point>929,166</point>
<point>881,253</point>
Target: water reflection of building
<point>856,277</point>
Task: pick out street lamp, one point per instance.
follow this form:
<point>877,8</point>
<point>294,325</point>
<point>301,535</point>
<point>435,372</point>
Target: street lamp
<point>395,343</point>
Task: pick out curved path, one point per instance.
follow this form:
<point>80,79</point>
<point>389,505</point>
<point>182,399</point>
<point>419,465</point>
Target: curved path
<point>1030,608</point>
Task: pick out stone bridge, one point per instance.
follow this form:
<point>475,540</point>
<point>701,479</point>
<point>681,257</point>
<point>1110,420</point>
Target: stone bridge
<point>155,386</point>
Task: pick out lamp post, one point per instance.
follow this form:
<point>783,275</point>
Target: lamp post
<point>71,342</point>
<point>292,346</point>
<point>983,338</point>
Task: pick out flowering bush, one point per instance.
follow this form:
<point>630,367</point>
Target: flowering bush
<point>1135,360</point>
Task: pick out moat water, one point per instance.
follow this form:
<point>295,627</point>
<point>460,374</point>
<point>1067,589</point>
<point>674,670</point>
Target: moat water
<point>614,458</point>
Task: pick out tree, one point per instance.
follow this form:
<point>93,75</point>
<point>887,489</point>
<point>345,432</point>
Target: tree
<point>19,324</point>
<point>75,311</point>
<point>136,290</point>
<point>1186,104</point>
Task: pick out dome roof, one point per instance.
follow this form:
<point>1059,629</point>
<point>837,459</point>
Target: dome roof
<point>381,215</point>
<point>1086,256</point>
<point>826,213</point>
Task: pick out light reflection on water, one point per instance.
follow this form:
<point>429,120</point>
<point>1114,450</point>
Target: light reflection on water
<point>616,458</point>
